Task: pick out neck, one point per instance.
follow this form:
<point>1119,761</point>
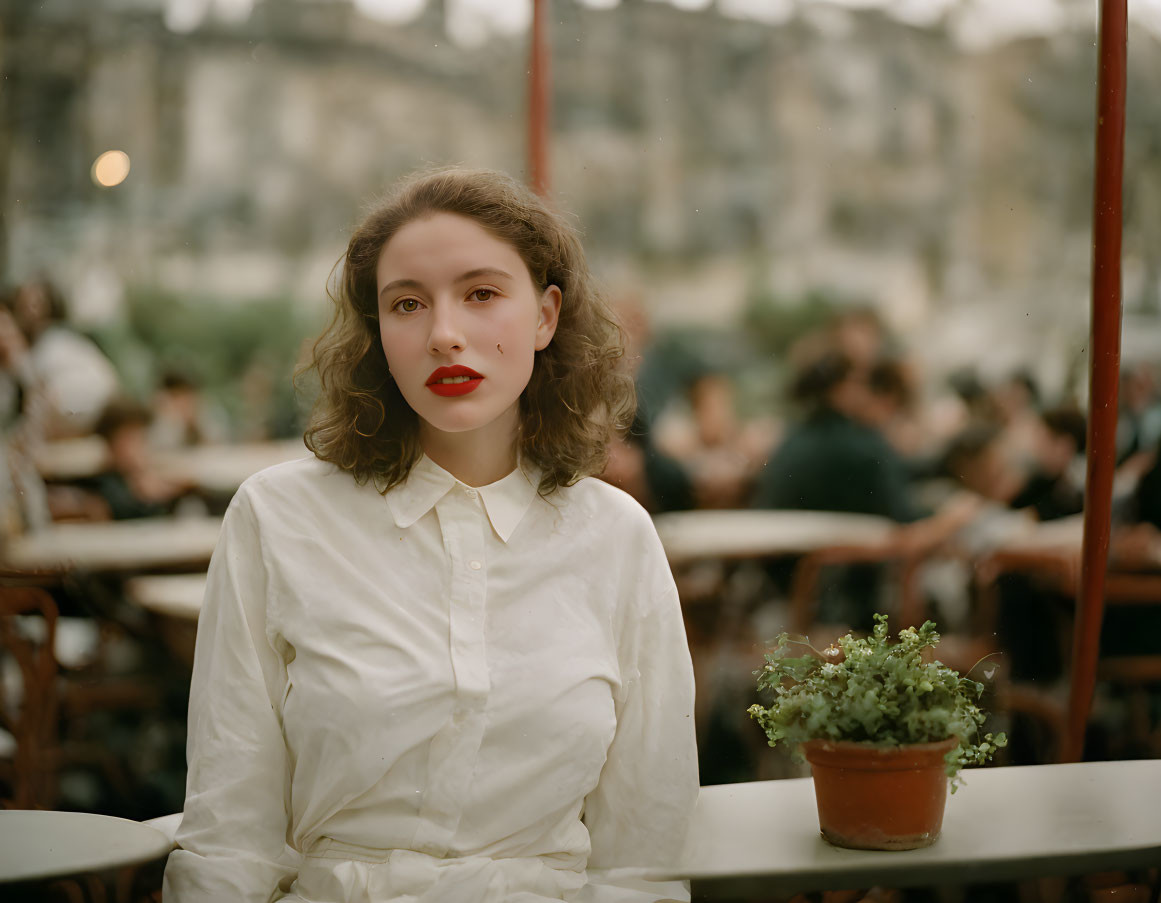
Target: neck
<point>475,457</point>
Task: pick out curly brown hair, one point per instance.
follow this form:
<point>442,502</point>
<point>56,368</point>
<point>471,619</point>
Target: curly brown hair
<point>580,391</point>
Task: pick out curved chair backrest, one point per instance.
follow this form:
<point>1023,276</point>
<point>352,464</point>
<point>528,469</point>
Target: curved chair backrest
<point>29,711</point>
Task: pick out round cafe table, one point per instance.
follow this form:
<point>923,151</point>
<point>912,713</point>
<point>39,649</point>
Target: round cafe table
<point>221,469</point>
<point>172,595</point>
<point>126,546</point>
<point>693,535</point>
<point>37,845</point>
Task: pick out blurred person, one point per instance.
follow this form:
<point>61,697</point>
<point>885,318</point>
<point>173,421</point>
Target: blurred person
<point>982,462</point>
<point>636,327</point>
<point>131,485</point>
<point>1149,493</point>
<point>892,406</point>
<point>834,461</point>
<point>1031,618</point>
<point>182,417</point>
<point>435,660</point>
<point>1016,401</point>
<point>269,408</point>
<point>77,379</point>
<point>1017,394</point>
<point>860,334</point>
<point>658,482</point>
<point>17,380</point>
<point>977,401</point>
<point>1055,488</point>
<point>1136,541</point>
<point>24,504</point>
<point>1139,418</point>
<point>918,427</point>
<point>721,454</point>
<point>635,465</point>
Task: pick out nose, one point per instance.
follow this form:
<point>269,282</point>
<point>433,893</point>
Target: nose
<point>447,332</point>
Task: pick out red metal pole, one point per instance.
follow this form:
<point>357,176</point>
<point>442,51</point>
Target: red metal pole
<point>1104,366</point>
<point>539,80</point>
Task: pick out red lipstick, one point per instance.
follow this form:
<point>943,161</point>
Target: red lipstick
<point>461,386</point>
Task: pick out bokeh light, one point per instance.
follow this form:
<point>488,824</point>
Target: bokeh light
<point>111,168</point>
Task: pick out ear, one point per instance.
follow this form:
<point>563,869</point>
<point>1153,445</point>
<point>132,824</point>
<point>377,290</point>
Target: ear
<point>549,314</point>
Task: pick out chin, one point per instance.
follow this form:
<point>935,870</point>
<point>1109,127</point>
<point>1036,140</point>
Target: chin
<point>465,423</point>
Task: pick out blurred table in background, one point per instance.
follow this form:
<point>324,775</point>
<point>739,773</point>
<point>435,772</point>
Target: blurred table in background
<point>692,535</point>
<point>175,601</point>
<point>38,845</point>
<point>64,460</point>
<point>221,469</point>
<point>171,595</point>
<point>214,468</point>
<point>127,546</point>
<point>760,839</point>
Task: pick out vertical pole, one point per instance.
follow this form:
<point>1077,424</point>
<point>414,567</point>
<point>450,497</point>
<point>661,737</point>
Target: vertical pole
<point>539,80</point>
<point>1104,366</point>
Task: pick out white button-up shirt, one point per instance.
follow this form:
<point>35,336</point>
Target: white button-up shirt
<point>444,694</point>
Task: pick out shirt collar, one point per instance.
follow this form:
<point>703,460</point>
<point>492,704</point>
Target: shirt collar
<point>505,501</point>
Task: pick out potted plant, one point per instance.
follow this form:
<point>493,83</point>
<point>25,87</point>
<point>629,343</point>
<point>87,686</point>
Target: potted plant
<point>884,728</point>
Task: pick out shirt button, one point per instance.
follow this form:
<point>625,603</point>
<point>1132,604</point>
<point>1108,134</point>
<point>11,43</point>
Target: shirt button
<point>474,565</point>
<point>472,493</point>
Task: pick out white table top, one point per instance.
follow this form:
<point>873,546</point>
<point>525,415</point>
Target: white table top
<point>129,545</point>
<point>762,838</point>
<point>172,595</point>
<point>71,459</point>
<point>36,845</point>
<point>689,535</point>
<point>214,468</point>
<point>223,468</point>
<point>1003,824</point>
<point>1065,534</point>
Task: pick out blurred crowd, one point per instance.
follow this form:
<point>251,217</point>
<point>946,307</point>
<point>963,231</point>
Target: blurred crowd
<point>864,431</point>
<point>961,465</point>
<point>957,464</point>
<point>59,390</point>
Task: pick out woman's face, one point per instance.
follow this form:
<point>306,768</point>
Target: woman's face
<point>461,321</point>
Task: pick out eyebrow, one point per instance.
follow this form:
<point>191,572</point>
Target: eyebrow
<point>470,274</point>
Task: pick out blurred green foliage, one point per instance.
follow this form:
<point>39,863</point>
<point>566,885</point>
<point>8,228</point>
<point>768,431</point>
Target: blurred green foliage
<point>243,354</point>
<point>775,322</point>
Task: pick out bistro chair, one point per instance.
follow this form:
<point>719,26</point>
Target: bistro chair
<point>808,571</point>
<point>29,705</point>
<point>1059,569</point>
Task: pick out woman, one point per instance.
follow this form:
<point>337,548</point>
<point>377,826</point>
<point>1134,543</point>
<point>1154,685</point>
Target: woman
<point>436,663</point>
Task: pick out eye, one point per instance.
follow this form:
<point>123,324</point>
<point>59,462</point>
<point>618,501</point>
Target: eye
<point>482,294</point>
<point>403,305</point>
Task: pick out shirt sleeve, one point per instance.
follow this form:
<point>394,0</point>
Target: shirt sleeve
<point>232,838</point>
<point>639,813</point>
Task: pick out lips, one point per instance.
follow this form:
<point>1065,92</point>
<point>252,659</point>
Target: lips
<point>465,380</point>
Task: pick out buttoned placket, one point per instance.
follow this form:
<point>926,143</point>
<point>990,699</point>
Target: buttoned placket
<point>456,746</point>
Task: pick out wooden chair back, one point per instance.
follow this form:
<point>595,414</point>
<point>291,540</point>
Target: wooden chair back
<point>30,715</point>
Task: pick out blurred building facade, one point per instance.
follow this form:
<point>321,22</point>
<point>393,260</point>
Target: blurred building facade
<point>716,158</point>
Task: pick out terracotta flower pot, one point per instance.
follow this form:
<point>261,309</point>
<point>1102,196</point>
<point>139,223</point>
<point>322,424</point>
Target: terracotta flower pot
<point>879,798</point>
